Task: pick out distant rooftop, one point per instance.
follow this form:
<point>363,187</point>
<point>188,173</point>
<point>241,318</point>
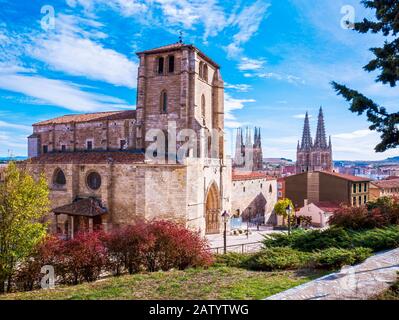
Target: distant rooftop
<point>90,117</point>
<point>387,184</point>
<point>240,176</point>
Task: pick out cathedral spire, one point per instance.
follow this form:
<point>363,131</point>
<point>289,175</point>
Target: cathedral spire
<point>306,137</point>
<point>320,140</point>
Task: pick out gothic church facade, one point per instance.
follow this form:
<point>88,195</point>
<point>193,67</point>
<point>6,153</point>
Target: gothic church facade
<point>317,155</point>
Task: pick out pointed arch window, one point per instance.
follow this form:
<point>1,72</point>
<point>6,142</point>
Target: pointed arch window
<point>59,179</point>
<point>203,106</point>
<point>164,101</point>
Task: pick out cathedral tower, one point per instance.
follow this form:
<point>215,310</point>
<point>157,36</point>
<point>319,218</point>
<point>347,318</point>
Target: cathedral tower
<point>315,156</point>
<point>248,155</point>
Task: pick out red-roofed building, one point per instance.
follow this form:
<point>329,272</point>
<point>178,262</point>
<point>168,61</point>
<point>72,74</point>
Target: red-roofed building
<point>320,212</point>
<point>384,188</point>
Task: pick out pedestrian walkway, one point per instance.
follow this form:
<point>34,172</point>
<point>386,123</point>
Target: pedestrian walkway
<point>252,243</point>
<point>359,282</point>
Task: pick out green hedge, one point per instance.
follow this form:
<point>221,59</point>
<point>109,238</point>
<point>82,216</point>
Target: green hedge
<point>286,258</point>
<point>309,241</point>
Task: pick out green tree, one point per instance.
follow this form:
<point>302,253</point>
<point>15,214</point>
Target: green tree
<point>23,204</point>
<point>386,61</point>
<point>281,206</point>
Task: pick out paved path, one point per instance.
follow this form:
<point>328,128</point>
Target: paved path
<point>360,282</point>
<point>235,243</point>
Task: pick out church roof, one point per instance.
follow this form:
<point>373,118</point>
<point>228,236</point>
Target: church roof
<point>92,157</point>
<point>89,207</point>
<point>240,176</point>
<point>90,117</point>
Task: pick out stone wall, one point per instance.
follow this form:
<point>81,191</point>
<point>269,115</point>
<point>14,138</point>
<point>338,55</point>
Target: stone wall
<point>105,135</point>
<point>258,194</point>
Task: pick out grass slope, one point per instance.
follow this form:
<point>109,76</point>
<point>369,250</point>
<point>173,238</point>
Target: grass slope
<point>215,283</point>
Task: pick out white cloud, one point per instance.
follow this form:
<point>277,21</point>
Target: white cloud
<point>238,87</point>
<point>8,125</point>
<point>248,22</point>
<point>354,135</point>
<point>247,64</point>
<point>59,93</point>
<point>230,105</point>
<point>71,50</point>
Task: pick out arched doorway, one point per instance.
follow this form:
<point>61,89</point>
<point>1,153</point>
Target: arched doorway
<point>212,210</point>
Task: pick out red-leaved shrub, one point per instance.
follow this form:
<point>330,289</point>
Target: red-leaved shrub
<point>380,213</point>
<point>83,258</point>
<point>127,247</point>
<point>176,247</point>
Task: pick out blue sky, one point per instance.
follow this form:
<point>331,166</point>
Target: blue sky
<point>277,60</point>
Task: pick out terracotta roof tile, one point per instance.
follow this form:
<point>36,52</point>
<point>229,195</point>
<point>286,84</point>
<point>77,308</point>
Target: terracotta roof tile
<point>167,47</point>
<point>386,184</point>
<point>328,206</point>
<point>89,117</point>
<point>239,176</point>
<point>92,157</point>
<point>347,176</point>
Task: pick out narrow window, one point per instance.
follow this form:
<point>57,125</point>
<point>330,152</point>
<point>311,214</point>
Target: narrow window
<point>365,199</point>
<point>164,102</point>
<point>243,189</point>
<point>205,72</point>
<point>354,201</point>
<point>354,188</point>
<point>171,64</point>
<point>89,145</point>
<point>59,178</point>
<point>200,70</point>
<point>203,106</point>
<point>63,148</point>
<point>123,144</point>
<point>270,189</point>
<point>360,200</point>
<point>365,187</point>
<point>160,65</point>
<point>45,149</point>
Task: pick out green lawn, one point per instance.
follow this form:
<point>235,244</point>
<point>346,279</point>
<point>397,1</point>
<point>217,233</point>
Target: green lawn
<point>214,283</point>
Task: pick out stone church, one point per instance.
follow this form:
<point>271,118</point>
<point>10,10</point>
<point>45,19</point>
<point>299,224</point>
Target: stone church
<point>317,155</point>
<point>104,171</point>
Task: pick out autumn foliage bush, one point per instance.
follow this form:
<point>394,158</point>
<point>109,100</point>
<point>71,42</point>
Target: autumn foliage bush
<point>377,214</point>
<point>144,246</point>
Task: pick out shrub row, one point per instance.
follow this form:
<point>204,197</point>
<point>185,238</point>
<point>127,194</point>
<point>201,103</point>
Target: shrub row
<point>377,214</point>
<point>285,258</point>
<point>308,241</point>
<point>154,246</point>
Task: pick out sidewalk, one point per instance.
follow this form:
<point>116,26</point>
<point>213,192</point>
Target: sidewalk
<point>360,282</point>
<point>216,240</point>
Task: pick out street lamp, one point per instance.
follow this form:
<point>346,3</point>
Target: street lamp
<point>288,210</point>
<point>225,217</point>
<point>248,220</point>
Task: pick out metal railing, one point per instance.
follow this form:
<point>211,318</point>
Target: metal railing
<point>239,248</point>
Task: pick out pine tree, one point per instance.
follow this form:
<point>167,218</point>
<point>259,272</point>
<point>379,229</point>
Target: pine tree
<point>386,61</point>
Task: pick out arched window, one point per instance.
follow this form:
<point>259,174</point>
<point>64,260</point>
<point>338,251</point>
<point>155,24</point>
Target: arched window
<point>93,181</point>
<point>201,64</point>
<point>203,106</point>
<point>205,72</point>
<point>59,179</point>
<point>164,101</point>
<point>161,61</point>
<point>171,64</point>
<point>270,189</point>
